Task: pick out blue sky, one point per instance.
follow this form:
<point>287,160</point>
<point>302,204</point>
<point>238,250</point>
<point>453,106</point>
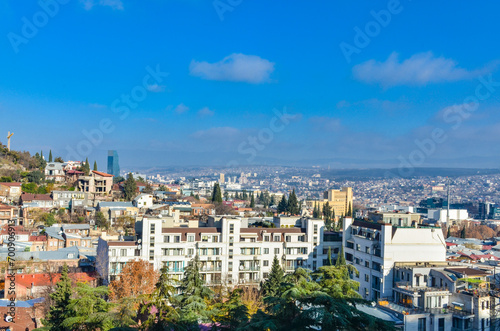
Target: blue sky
<point>410,90</point>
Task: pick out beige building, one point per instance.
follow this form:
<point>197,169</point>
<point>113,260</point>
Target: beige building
<point>396,218</point>
<point>339,200</point>
<point>97,183</point>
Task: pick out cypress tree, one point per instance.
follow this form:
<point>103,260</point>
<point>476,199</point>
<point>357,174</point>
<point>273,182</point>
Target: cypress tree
<point>283,205</point>
<point>293,203</point>
<point>130,187</point>
<point>340,258</point>
<point>216,194</point>
<point>252,201</point>
<point>50,155</point>
<point>448,234</point>
<point>330,256</point>
<point>349,212</point>
<point>95,165</point>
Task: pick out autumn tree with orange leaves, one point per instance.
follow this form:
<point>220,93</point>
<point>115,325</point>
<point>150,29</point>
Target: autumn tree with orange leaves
<point>137,278</point>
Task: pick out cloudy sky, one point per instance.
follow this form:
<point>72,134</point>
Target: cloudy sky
<point>226,82</point>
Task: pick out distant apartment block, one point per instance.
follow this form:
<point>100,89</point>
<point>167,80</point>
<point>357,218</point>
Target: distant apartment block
<point>339,200</point>
<point>113,163</point>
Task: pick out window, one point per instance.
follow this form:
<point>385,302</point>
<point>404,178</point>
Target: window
<point>288,239</point>
<point>315,228</point>
<point>441,324</point>
<point>191,238</point>
<point>276,251</point>
<point>166,239</point>
<point>190,251</point>
<point>230,253</point>
<point>358,247</point>
<point>266,263</point>
<point>277,238</point>
<point>204,238</point>
<point>266,250</point>
<point>123,252</point>
<point>215,239</point>
<point>367,264</point>
<point>151,255</point>
<point>177,239</point>
<point>367,278</point>
<point>267,238</point>
<point>152,229</point>
<point>230,266</point>
<point>231,228</point>
<point>367,249</point>
<point>422,324</point>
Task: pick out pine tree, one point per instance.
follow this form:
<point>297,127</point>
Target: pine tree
<point>252,201</point>
<point>130,187</point>
<point>349,212</point>
<point>293,204</point>
<point>283,205</point>
<point>95,165</point>
<point>462,233</point>
<point>61,298</point>
<point>272,284</point>
<point>235,312</point>
<point>192,301</point>
<point>86,167</point>
<point>50,155</point>
<point>448,234</point>
<point>330,256</point>
<point>216,194</point>
<point>340,258</point>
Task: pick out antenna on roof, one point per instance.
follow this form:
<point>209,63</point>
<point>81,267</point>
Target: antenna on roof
<point>8,140</point>
<point>448,203</point>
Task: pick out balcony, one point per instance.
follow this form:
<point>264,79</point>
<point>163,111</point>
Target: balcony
<point>248,268</point>
<point>210,269</point>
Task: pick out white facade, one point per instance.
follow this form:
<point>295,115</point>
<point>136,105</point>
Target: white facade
<point>373,248</point>
<point>230,251</point>
<point>143,201</point>
<point>441,214</point>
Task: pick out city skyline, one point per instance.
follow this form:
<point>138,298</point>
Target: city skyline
<point>258,84</point>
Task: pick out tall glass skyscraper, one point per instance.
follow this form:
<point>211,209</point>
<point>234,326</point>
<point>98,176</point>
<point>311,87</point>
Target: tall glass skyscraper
<point>113,165</point>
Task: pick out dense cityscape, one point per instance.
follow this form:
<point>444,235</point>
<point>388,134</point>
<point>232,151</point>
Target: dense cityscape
<point>232,165</point>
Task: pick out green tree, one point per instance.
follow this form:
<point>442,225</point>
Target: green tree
<point>252,201</point>
<point>283,205</point>
<point>59,159</point>
<point>35,176</point>
<point>95,165</point>
<point>130,187</point>
<point>272,284</point>
<point>162,315</point>
<point>193,300</point>
<point>234,312</point>
<point>293,204</point>
<point>349,212</point>
<point>330,256</point>
<point>101,221</point>
<point>216,194</point>
<point>60,309</point>
<point>91,310</point>
<point>462,233</point>
<point>6,179</point>
<point>29,188</point>
<point>148,189</point>
<point>50,155</point>
<point>341,258</point>
<point>448,234</point>
<point>327,212</point>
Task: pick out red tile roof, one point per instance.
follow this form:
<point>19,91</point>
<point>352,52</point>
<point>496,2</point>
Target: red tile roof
<point>11,184</point>
<point>2,206</point>
<point>103,174</point>
<point>29,280</point>
<point>31,197</point>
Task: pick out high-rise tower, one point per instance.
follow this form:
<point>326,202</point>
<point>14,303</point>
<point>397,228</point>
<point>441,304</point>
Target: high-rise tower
<point>113,164</point>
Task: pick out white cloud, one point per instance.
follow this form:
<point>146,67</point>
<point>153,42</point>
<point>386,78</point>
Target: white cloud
<point>114,4</point>
<point>420,69</point>
<point>234,68</point>
<point>181,108</point>
<point>205,111</point>
<point>155,88</point>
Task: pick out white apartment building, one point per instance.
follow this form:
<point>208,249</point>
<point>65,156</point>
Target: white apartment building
<point>229,250</point>
<point>374,248</point>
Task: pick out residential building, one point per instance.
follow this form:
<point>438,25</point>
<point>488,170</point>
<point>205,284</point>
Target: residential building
<point>374,248</point>
<point>339,200</point>
<point>70,199</point>
<point>115,209</point>
<point>96,184</point>
<point>229,250</point>
<point>7,213</point>
<point>10,192</point>
<point>143,200</point>
<point>113,163</point>
<point>54,171</point>
<point>396,218</point>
